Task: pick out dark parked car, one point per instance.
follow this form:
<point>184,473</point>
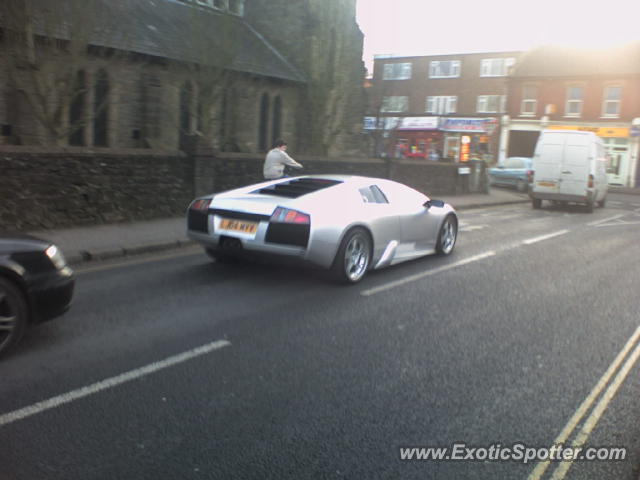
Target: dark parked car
<point>36,284</point>
<point>512,173</point>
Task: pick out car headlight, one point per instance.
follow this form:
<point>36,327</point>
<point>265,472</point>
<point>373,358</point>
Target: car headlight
<point>56,257</point>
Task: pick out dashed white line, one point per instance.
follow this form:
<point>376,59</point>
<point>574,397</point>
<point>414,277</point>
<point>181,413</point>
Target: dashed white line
<point>418,276</point>
<point>109,383</point>
<point>530,241</point>
<point>604,220</point>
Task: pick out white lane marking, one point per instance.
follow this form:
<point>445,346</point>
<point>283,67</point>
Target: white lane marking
<point>615,224</point>
<point>471,228</point>
<point>109,383</point>
<point>418,276</point>
<point>603,220</point>
<point>615,202</point>
<point>529,241</point>
<point>597,412</point>
<point>587,403</point>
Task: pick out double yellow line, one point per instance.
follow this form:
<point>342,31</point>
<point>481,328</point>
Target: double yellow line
<point>613,377</point>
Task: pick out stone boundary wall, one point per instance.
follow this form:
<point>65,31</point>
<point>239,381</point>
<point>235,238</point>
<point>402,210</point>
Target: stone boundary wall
<point>42,189</point>
<point>58,188</point>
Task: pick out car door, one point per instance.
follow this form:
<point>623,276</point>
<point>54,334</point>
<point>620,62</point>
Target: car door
<point>418,227</point>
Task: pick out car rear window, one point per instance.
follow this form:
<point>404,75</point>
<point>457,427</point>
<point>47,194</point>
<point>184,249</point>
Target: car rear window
<point>298,187</point>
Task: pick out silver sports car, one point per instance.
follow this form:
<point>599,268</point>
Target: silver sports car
<point>348,224</point>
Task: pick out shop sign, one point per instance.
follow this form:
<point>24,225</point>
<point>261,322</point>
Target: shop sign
<point>604,132</point>
<point>463,124</point>
<point>419,123</point>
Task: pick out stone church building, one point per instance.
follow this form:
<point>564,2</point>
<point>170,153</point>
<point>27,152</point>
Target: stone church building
<point>167,74</point>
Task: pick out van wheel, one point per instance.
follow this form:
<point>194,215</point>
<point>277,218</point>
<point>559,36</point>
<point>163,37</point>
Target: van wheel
<point>536,203</point>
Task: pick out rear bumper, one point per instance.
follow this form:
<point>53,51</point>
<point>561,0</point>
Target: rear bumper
<point>562,197</point>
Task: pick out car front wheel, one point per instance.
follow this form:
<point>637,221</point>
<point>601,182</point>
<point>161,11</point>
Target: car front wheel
<point>447,236</point>
<point>353,257</point>
<point>13,315</point>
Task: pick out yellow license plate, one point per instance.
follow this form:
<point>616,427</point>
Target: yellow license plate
<point>239,226</point>
<point>546,184</point>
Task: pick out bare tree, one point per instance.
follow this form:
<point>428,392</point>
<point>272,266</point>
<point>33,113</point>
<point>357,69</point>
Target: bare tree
<point>46,50</point>
<point>206,109</point>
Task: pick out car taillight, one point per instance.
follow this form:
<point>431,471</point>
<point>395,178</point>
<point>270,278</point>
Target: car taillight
<point>591,181</point>
<point>202,204</point>
<point>530,176</point>
<point>286,215</point>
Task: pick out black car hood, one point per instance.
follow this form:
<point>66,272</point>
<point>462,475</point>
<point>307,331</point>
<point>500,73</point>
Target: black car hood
<point>20,242</point>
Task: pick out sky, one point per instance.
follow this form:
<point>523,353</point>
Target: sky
<point>429,27</point>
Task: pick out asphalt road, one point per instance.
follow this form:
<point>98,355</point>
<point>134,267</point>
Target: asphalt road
<point>527,335</point>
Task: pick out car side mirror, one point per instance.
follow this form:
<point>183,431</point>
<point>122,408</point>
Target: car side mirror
<point>427,204</point>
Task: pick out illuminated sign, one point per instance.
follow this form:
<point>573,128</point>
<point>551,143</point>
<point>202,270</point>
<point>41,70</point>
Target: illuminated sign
<point>605,132</point>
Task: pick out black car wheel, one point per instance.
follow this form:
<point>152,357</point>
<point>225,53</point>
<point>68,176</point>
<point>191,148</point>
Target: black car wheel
<point>536,203</point>
<point>13,315</point>
<point>353,257</point>
<point>447,236</point>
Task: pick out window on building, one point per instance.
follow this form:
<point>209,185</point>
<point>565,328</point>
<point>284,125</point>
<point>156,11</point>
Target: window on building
<point>151,101</point>
<point>529,103</point>
<point>575,99</point>
<point>397,71</point>
<point>491,103</point>
<point>101,110</point>
<point>395,104</point>
<point>441,105</point>
<point>496,67</point>
<point>276,123</point>
<point>444,69</point>
<point>77,110</point>
<point>236,7</point>
<point>611,105</point>
<point>263,127</point>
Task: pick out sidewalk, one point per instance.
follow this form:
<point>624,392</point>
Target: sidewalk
<point>102,242</point>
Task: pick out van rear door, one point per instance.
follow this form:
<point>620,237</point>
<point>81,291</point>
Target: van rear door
<point>574,174</point>
<point>548,162</point>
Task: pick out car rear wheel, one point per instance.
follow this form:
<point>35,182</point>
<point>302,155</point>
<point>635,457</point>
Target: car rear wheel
<point>447,236</point>
<point>536,203</point>
<point>13,315</point>
<point>353,257</point>
<point>218,256</point>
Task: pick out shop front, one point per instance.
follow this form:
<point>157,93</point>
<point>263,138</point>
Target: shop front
<point>621,142</point>
<point>417,137</point>
<point>467,138</point>
<point>617,145</point>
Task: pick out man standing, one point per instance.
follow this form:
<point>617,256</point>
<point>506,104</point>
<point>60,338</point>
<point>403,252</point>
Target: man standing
<point>276,160</point>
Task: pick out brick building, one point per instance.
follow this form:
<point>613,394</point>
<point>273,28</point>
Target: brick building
<point>566,88</point>
<point>160,73</point>
<point>449,105</point>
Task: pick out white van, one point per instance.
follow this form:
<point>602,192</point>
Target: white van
<point>569,166</point>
